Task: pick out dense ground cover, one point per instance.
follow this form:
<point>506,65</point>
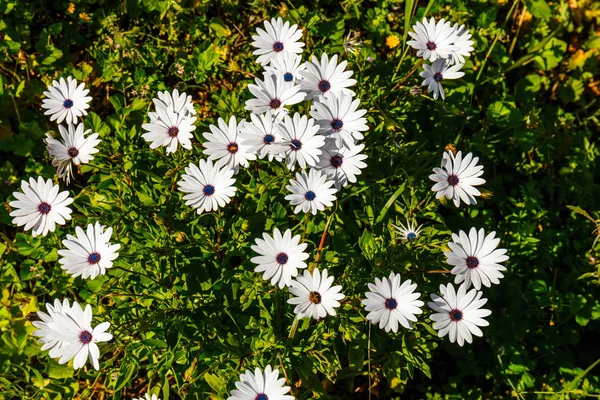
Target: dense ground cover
<point>186,309</point>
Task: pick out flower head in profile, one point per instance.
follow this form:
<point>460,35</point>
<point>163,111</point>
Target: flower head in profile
<point>438,71</point>
<point>351,42</point>
<point>45,318</point>
<point>476,258</point>
<point>432,40</point>
<point>457,178</point>
<point>74,149</point>
<point>40,207</point>
<point>261,386</point>
<point>148,397</point>
<point>338,118</point>
<point>276,40</point>
<point>410,231</point>
<point>463,45</point>
<point>310,192</point>
<point>169,129</point>
<point>314,296</point>
<point>304,145</point>
<point>458,314</point>
<point>224,144</point>
<point>342,164</point>
<point>326,77</point>
<point>90,253</point>
<point>288,65</point>
<point>391,302</point>
<point>66,101</point>
<point>272,95</point>
<point>262,137</point>
<point>179,103</point>
<point>207,186</point>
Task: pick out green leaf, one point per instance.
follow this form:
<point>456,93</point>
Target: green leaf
<point>539,9</point>
<point>217,384</point>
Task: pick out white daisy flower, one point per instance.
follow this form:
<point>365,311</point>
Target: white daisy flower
<point>410,231</point>
<point>463,46</point>
<point>342,164</point>
<point>73,149</point>
<point>263,137</point>
<point>280,257</point>
<point>310,192</point>
<point>476,259</point>
<point>88,255</point>
<point>314,295</point>
<point>326,77</point>
<point>179,103</point>
<point>272,95</point>
<point>433,41</point>
<point>147,397</point>
<point>277,39</point>
<point>66,101</point>
<point>390,303</point>
<point>43,329</point>
<point>261,386</point>
<point>339,119</point>
<point>438,71</point>
<point>208,186</point>
<point>40,207</point>
<point>224,144</point>
<point>300,132</point>
<point>167,128</point>
<point>458,314</point>
<point>457,177</point>
<point>288,65</point>
<point>73,327</point>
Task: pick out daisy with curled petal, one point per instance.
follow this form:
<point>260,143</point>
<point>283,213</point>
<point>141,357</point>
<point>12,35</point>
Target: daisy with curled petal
<point>42,325</point>
<point>66,101</point>
<point>74,328</point>
<point>224,144</point>
<point>73,149</point>
<point>272,95</point>
<point>326,77</point>
<point>341,164</point>
<point>457,177</point>
<point>409,232</point>
<point>311,192</point>
<point>300,133</point>
<point>147,397</point>
<point>463,46</point>
<point>40,207</point>
<point>276,40</point>
<point>314,295</point>
<point>280,257</point>
<point>208,186</point>
<point>433,40</point>
<point>438,71</point>
<point>458,315</point>
<point>339,119</point>
<point>476,259</point>
<point>391,301</point>
<point>167,128</point>
<point>179,103</point>
<point>262,137</point>
<point>88,254</point>
<point>288,65</point>
<point>261,386</point>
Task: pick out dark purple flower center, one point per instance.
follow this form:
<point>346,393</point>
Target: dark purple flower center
<point>232,148</point>
<point>310,195</point>
<point>73,152</point>
<point>411,236</point>
<point>288,77</point>
<point>324,86</point>
<point>431,46</point>
<point>456,315</point>
<point>94,258</point>
<point>44,208</point>
<point>336,161</point>
<point>438,77</point>
<point>173,131</point>
<point>275,103</point>
<point>68,103</point>
<point>281,258</point>
<point>268,139</point>
<point>472,262</point>
<point>337,124</point>
<point>314,297</point>
<point>453,180</point>
<point>85,337</point>
<point>208,190</point>
<point>391,304</point>
<point>277,47</point>
<point>296,145</point>
<point>261,396</point>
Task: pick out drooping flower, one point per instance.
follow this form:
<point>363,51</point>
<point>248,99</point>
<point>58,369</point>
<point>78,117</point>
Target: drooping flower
<point>326,77</point>
<point>342,164</point>
<point>433,40</point>
<point>314,296</point>
<point>74,149</point>
<point>261,386</point>
<point>438,71</point>
<point>224,144</point>
<point>391,301</point>
<point>262,137</point>
<point>168,128</point>
<point>476,258</point>
<point>272,95</point>
<point>457,178</point>
<point>179,103</point>
<point>288,65</point>
<point>310,192</point>
<point>280,257</point>
<point>277,39</point>
<point>66,101</point>
<point>88,254</point>
<point>463,46</point>
<point>339,119</point>
<point>410,231</point>
<point>40,207</point>
<point>208,186</point>
<point>300,133</point>
<point>458,314</point>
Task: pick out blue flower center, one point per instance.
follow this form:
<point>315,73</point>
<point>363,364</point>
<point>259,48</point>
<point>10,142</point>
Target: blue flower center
<point>73,152</point>
<point>411,236</point>
<point>314,297</point>
<point>208,190</point>
<point>453,180</point>
<point>324,86</point>
<point>275,103</point>
<point>431,46</point>
<point>336,161</point>
<point>456,315</point>
<point>337,124</point>
<point>268,139</point>
<point>296,145</point>
<point>94,258</point>
<point>437,77</point>
<point>68,103</point>
<point>261,396</point>
<point>472,262</point>
<point>232,148</point>
<point>310,195</point>
<point>44,208</point>
<point>277,47</point>
<point>282,258</point>
<point>391,304</point>
<point>85,337</point>
<point>173,131</point>
<point>288,77</point>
